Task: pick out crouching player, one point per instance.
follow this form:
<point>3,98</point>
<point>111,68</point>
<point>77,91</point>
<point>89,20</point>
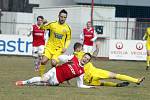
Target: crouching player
<point>70,69</point>
<point>94,76</point>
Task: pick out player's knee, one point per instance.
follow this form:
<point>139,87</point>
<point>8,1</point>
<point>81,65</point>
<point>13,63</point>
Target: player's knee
<point>112,75</point>
<point>39,54</point>
<point>43,62</point>
<point>35,55</point>
<point>148,54</point>
<point>53,62</point>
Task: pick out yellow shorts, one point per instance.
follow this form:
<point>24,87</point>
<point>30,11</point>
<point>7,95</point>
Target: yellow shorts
<point>148,45</point>
<point>94,76</point>
<point>100,73</point>
<point>52,54</point>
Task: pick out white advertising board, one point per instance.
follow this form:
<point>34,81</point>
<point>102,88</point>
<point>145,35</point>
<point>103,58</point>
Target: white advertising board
<point>15,45</point>
<point>127,50</point>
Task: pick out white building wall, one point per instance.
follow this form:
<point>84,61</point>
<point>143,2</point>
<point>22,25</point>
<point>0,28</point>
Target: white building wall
<point>7,23</point>
<point>16,23</point>
<point>52,3</point>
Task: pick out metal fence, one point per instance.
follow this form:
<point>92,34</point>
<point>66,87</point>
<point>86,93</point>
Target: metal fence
<point>125,29</point>
<point>121,28</point>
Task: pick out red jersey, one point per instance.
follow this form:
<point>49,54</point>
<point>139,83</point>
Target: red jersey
<point>38,36</point>
<point>68,71</point>
<point>88,35</point>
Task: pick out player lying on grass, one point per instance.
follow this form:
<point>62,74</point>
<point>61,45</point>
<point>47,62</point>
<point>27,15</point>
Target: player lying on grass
<point>94,76</point>
<point>71,68</point>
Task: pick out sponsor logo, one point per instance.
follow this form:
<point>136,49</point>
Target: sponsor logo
<point>119,45</point>
<point>15,45</point>
<point>72,70</point>
<point>58,36</point>
<point>139,46</point>
<point>39,34</point>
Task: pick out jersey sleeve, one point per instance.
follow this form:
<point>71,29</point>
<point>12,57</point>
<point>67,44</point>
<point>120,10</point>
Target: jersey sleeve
<point>65,58</point>
<point>80,82</point>
<point>45,26</point>
<point>145,35</point>
<point>68,37</point>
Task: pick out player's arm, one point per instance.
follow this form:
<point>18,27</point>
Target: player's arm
<point>29,34</point>
<point>68,38</point>
<point>81,36</point>
<point>80,82</point>
<point>31,31</point>
<point>65,58</point>
<point>145,36</point>
<point>45,25</point>
<point>95,37</point>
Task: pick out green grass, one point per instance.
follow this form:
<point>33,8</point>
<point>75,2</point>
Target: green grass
<point>14,68</point>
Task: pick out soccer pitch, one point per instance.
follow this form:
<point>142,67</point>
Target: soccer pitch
<point>13,68</point>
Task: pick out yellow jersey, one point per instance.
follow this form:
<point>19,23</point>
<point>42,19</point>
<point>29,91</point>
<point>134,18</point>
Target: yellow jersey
<point>60,35</point>
<point>87,67</point>
<point>79,55</point>
<point>147,34</point>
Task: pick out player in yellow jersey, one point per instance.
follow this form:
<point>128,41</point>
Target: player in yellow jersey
<point>94,76</point>
<point>58,42</point>
<point>147,38</point>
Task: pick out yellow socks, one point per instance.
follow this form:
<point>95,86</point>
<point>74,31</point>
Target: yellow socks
<point>126,78</point>
<point>109,84</point>
<point>148,60</point>
<point>42,70</point>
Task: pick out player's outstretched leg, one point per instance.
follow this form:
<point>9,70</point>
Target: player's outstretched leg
<point>28,82</point>
<point>129,79</point>
<point>111,84</point>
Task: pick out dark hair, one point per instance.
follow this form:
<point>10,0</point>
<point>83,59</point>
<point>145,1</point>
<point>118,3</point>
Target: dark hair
<point>89,55</point>
<point>77,45</point>
<point>63,11</point>
<point>40,17</point>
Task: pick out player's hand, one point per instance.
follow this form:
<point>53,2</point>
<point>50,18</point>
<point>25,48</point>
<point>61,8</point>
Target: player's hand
<point>81,39</point>
<point>45,21</point>
<point>64,50</point>
<point>29,34</point>
<point>143,39</point>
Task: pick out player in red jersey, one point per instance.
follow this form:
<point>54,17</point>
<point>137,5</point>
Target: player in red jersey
<point>38,41</point>
<point>88,38</point>
<point>70,69</point>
